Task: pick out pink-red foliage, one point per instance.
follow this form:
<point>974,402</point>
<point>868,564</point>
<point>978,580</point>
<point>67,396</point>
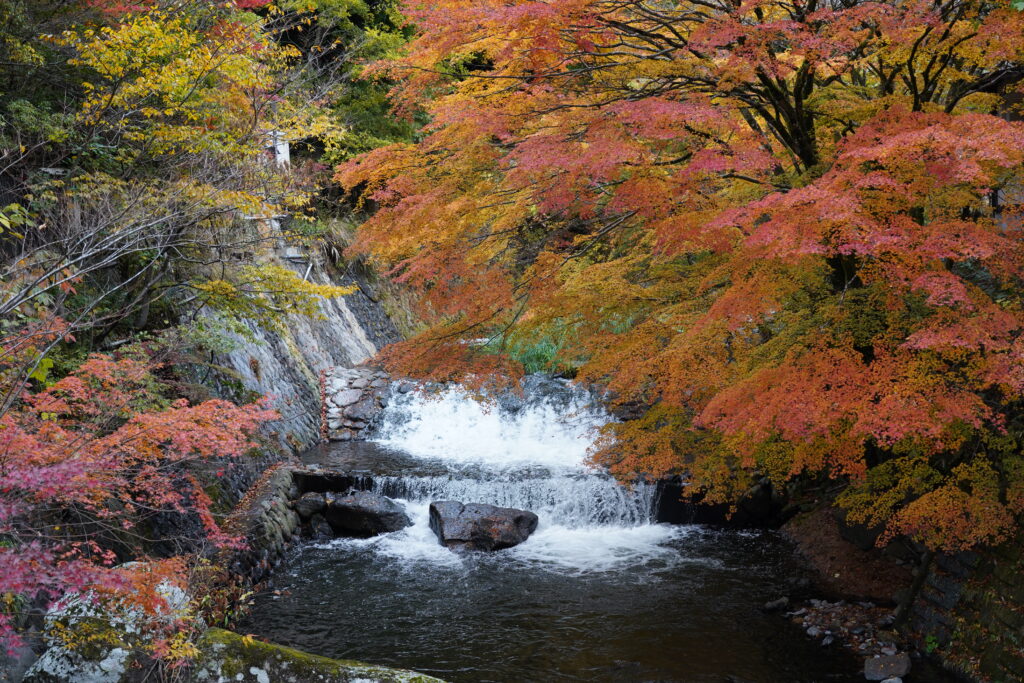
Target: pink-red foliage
<point>102,445</point>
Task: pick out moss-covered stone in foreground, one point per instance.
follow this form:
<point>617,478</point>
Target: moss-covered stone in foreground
<point>228,657</point>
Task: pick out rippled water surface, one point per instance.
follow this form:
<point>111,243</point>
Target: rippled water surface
<point>685,609</point>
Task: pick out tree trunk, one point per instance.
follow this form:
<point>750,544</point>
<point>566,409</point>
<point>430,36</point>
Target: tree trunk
<point>903,609</point>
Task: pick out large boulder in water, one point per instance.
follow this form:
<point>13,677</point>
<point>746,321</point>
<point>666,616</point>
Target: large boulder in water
<point>362,513</point>
<point>477,526</point>
<point>309,504</point>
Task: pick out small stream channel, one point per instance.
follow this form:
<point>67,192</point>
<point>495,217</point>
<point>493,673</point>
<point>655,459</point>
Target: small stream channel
<point>599,593</point>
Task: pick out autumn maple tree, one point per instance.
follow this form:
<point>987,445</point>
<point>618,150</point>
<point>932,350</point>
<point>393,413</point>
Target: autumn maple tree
<point>789,229</point>
<point>137,193</point>
<point>84,466</point>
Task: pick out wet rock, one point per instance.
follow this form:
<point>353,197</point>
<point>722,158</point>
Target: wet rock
<point>228,656</point>
<point>324,481</point>
<point>511,403</point>
<point>886,666</point>
<point>309,504</point>
<point>347,397</point>
<point>895,679</point>
<point>476,526</point>
<point>363,513</point>
<point>776,605</point>
<point>363,410</point>
<point>319,529</point>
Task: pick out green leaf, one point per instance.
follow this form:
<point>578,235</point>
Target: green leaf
<point>42,371</point>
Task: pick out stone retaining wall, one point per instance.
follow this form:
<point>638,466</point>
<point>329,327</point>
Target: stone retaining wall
<point>353,398</point>
<point>267,520</point>
<point>285,362</point>
<point>970,613</point>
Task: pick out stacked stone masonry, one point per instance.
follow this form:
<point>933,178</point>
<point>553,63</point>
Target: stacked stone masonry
<point>269,517</point>
<point>971,613</point>
<point>354,397</point>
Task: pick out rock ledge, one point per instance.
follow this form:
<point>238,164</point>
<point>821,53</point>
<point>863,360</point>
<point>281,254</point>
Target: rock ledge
<point>227,656</point>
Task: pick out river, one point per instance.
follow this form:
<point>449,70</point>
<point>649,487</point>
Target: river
<point>600,592</point>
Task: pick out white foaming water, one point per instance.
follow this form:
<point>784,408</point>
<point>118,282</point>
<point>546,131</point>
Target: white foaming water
<point>527,453</point>
<point>455,427</point>
<point>553,546</point>
<point>412,545</point>
<point>574,501</point>
<point>599,548</point>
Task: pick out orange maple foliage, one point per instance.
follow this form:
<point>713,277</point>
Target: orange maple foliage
<point>792,230</point>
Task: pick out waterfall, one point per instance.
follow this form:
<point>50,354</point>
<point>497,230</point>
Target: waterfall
<point>570,501</point>
<point>553,424</point>
<point>526,451</point>
<point>600,591</point>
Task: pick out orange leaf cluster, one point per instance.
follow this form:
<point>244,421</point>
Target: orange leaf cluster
<point>793,231</point>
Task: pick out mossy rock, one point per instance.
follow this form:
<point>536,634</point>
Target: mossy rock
<point>228,657</point>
